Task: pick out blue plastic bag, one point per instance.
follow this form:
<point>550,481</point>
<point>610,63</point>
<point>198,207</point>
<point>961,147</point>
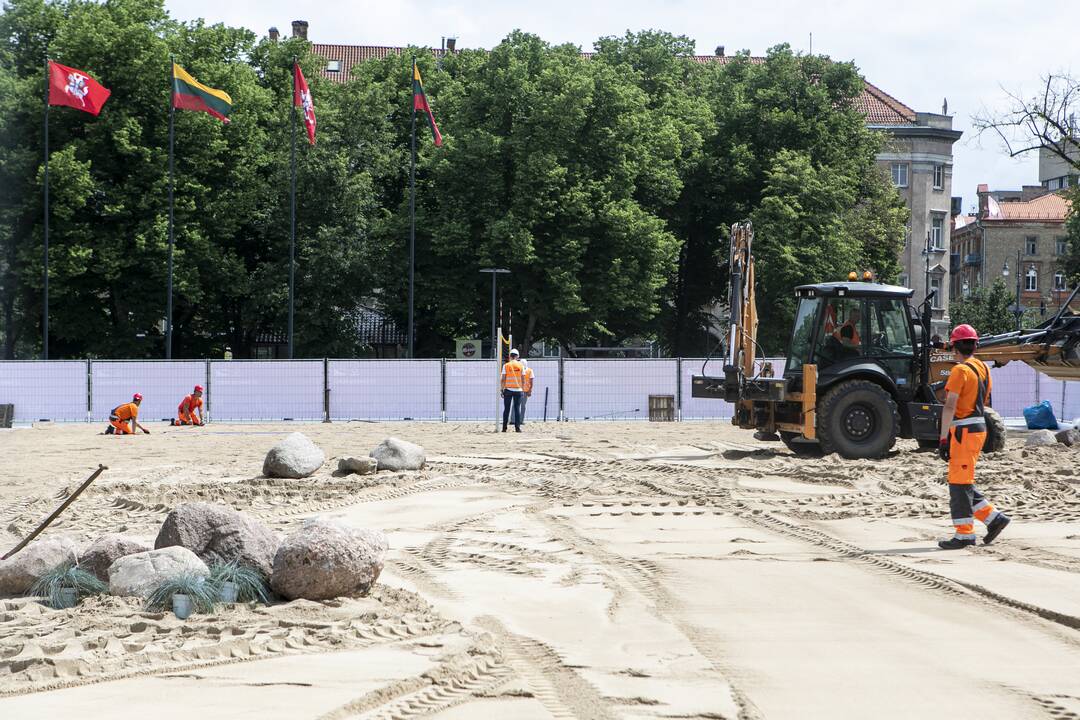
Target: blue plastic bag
<point>1040,417</point>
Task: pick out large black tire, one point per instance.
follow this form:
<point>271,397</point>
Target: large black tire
<point>928,443</point>
<point>799,445</point>
<point>857,419</point>
<point>995,432</point>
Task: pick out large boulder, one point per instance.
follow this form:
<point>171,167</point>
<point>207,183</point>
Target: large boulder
<point>106,550</point>
<point>326,559</point>
<point>20,571</point>
<point>293,457</point>
<point>358,465</point>
<point>217,533</point>
<point>141,573</point>
<point>1070,437</point>
<point>395,454</point>
<point>1041,438</point>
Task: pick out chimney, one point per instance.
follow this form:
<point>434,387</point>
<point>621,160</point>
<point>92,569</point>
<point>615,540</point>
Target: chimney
<point>956,206</point>
<point>451,44</point>
<point>299,29</point>
<point>984,200</point>
<point>274,34</point>
<point>719,51</point>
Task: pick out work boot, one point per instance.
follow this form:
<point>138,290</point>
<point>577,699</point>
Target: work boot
<point>110,430</point>
<point>766,436</point>
<point>994,528</point>
<point>955,543</point>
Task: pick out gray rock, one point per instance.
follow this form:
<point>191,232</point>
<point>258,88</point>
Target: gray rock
<point>293,457</point>
<point>1040,438</point>
<point>217,533</point>
<point>1070,437</point>
<point>395,454</point>
<point>326,559</point>
<point>20,571</point>
<point>358,465</point>
<point>106,550</point>
<point>141,573</point>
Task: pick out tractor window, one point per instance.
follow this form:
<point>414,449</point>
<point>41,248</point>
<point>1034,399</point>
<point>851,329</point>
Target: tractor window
<point>803,335</point>
<point>843,327</point>
<point>889,330</point>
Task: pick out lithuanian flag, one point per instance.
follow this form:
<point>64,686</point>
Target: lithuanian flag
<point>190,94</point>
<point>420,103</point>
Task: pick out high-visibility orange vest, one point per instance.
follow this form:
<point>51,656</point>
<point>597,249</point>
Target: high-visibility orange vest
<point>528,379</point>
<point>513,374</point>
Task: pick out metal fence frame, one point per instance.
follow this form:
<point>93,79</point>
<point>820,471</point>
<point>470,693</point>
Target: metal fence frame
<point>429,389</point>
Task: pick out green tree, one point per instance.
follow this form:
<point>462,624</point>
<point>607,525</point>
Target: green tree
<point>989,310</point>
<point>1070,263</point>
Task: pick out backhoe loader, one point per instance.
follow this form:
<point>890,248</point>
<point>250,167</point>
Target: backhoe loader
<point>860,369</point>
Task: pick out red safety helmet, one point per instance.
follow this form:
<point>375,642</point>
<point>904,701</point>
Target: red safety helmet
<point>963,332</point>
<point>136,397</point>
<point>198,388</point>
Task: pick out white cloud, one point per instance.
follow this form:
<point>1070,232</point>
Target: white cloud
<point>920,51</point>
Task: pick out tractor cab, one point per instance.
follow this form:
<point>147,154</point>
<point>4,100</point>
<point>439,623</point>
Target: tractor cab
<point>855,327</point>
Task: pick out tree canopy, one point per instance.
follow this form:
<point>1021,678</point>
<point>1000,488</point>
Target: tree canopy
<point>605,183</point>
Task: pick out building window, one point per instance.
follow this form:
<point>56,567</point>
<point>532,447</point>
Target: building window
<point>1031,245</point>
<point>333,66</point>
<point>1059,281</point>
<point>1031,280</point>
<point>935,285</point>
<point>1062,246</point>
<point>939,177</point>
<point>937,233</point>
<point>904,280</point>
<point>899,174</point>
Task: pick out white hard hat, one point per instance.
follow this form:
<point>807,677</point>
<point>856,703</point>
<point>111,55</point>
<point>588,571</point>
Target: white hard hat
<point>513,351</point>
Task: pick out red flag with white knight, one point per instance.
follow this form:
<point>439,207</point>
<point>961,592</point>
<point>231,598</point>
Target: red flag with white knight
<point>302,100</point>
<point>74,88</point>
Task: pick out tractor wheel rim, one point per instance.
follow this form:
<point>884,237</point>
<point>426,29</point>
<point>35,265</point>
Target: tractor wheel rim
<point>859,422</point>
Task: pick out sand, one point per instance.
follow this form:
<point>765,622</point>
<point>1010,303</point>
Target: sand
<point>577,570</point>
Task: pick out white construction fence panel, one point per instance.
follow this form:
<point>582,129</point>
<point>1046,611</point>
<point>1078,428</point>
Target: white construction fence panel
<point>44,390</point>
<point>615,389</point>
<point>471,389</point>
<point>545,393</point>
<point>162,383</point>
<point>385,389</point>
<point>266,390</point>
<point>1012,388</point>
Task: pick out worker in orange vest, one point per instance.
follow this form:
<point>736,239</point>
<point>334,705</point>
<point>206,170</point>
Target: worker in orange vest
<point>512,386</point>
<point>963,432</point>
<point>529,377</point>
<point>189,406</point>
<point>123,420</point>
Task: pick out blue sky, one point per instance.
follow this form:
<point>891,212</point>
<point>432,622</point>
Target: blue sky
<point>920,52</point>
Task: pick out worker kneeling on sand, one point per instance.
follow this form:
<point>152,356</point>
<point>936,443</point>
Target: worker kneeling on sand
<point>190,409</point>
<point>124,419</point>
<point>963,432</point>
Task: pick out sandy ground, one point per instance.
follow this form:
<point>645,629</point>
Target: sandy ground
<point>578,570</point>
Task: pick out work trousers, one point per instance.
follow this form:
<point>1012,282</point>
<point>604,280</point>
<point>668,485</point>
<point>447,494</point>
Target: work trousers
<point>121,427</point>
<point>966,504</point>
<point>524,404</point>
<point>512,400</point>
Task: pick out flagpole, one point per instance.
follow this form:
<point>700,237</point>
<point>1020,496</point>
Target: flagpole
<point>412,210</point>
<point>292,209</point>
<point>45,307</point>
<point>168,306</point>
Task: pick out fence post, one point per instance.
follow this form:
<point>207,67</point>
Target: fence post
<point>89,392</point>
<point>206,373</point>
<point>442,392</point>
<point>678,389</point>
<point>562,414</point>
<point>326,389</point>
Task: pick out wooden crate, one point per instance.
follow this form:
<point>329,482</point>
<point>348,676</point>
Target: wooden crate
<point>661,408</point>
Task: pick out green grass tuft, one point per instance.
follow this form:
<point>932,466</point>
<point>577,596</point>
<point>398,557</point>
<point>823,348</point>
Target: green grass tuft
<point>251,585</point>
<point>203,594</point>
<point>67,575</point>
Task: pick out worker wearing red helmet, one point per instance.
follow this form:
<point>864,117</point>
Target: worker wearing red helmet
<point>190,409</point>
<point>963,432</point>
<point>123,419</point>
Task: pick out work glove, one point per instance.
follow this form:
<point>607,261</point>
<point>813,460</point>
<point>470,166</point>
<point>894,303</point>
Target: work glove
<point>943,449</point>
<point>145,431</point>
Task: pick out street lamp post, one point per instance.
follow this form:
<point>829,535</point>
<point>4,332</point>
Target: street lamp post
<point>495,273</point>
